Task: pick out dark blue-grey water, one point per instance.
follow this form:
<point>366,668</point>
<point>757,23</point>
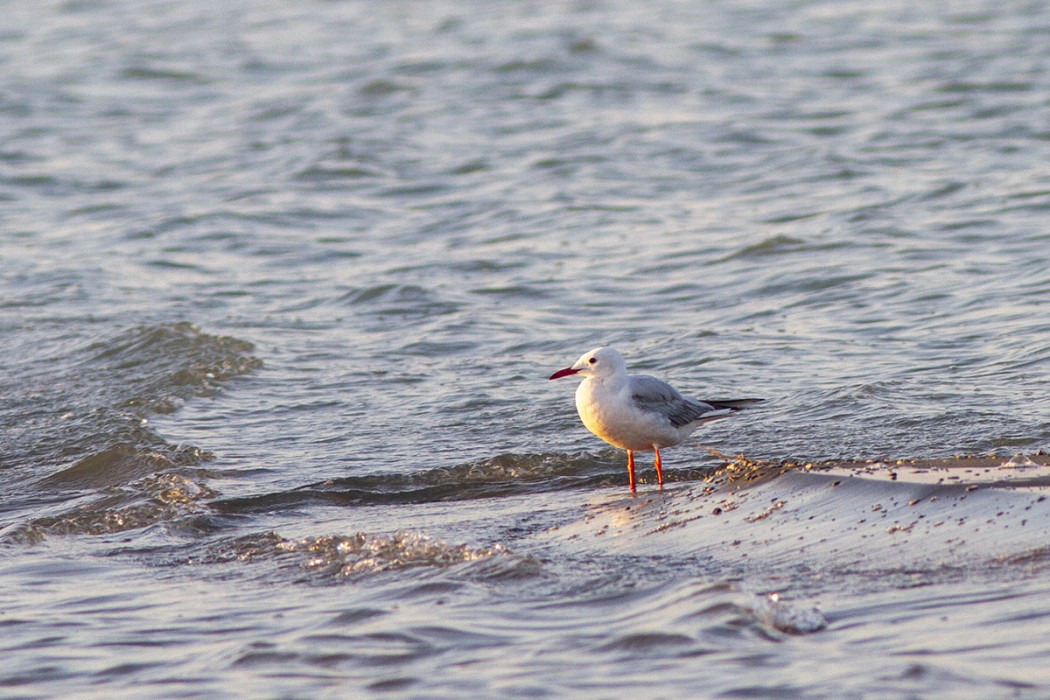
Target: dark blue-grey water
<point>281,285</point>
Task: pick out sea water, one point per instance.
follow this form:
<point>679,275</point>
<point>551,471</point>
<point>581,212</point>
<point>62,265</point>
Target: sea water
<point>281,285</point>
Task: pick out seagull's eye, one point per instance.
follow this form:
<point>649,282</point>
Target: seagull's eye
<point>593,360</point>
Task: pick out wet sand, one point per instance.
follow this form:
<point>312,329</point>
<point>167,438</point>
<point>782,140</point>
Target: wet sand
<point>814,525</point>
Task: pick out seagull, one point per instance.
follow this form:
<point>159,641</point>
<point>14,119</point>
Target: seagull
<point>636,412</point>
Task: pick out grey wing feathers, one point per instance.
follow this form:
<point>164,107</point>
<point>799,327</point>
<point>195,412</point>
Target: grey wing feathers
<point>651,394</point>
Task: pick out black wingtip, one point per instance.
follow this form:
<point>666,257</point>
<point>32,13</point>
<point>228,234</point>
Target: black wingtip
<point>734,404</point>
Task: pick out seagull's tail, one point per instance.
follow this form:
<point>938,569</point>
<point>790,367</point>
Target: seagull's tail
<point>733,404</point>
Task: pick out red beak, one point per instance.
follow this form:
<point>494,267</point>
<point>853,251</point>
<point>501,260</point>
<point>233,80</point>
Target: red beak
<point>563,373</point>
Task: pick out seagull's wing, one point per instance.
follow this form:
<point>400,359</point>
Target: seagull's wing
<point>652,395</point>
<point>734,404</point>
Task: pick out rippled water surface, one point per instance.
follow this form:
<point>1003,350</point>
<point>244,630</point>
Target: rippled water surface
<point>281,285</point>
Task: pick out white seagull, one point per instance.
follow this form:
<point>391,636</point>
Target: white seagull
<point>636,412</point>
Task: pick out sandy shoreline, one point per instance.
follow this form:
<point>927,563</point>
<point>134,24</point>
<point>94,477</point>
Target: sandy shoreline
<point>809,525</point>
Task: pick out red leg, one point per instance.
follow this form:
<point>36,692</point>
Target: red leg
<point>659,464</point>
<point>630,468</point>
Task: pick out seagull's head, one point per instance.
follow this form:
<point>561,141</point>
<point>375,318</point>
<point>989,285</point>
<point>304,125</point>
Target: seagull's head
<point>595,364</point>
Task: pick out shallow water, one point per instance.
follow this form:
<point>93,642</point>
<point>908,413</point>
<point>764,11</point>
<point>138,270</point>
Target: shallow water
<point>281,287</point>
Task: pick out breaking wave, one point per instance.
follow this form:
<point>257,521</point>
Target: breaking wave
<point>345,556</point>
<point>80,448</point>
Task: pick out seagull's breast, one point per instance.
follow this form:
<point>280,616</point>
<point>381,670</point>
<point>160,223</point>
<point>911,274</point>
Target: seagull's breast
<point>607,410</point>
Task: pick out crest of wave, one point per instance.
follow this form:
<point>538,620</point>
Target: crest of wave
<point>362,553</point>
